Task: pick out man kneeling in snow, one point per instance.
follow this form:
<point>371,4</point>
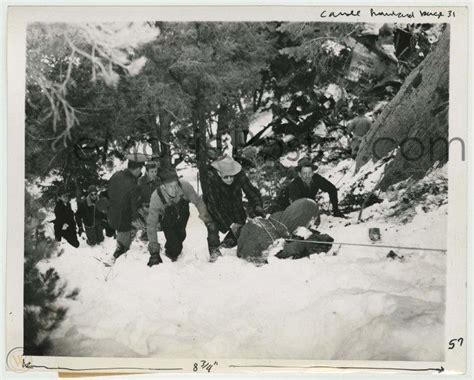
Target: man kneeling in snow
<point>226,182</point>
<point>169,212</point>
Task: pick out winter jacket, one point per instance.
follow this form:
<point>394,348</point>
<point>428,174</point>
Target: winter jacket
<point>224,202</point>
<point>157,207</point>
<point>298,189</point>
<point>64,215</point>
<point>124,200</point>
<point>146,188</point>
<point>88,213</point>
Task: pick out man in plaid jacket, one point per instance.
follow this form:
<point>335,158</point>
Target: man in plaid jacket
<point>226,183</point>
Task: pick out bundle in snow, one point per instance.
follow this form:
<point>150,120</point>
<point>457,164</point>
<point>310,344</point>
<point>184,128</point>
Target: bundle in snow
<point>258,234</point>
<point>303,248</point>
<point>300,213</point>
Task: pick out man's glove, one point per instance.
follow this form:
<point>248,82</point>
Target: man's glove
<point>259,211</point>
<point>155,258</point>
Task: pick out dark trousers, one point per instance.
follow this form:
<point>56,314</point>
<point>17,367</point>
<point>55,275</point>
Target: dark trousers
<point>109,231</point>
<point>94,234</point>
<point>174,238</point>
<point>213,240</point>
<point>69,235</point>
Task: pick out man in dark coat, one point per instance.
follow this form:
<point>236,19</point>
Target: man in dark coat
<point>124,200</point>
<point>89,217</point>
<point>226,182</point>
<point>64,224</point>
<point>307,184</point>
<point>102,205</point>
<point>147,184</point>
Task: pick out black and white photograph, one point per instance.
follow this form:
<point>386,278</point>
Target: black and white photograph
<point>252,190</point>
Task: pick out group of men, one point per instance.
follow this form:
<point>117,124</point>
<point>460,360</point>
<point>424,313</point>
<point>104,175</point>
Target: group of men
<point>159,201</point>
<point>90,218</point>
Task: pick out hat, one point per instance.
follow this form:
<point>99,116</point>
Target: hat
<point>92,189</point>
<point>168,175</point>
<point>305,161</point>
<point>227,166</point>
<point>134,164</point>
<point>151,165</point>
<point>138,157</point>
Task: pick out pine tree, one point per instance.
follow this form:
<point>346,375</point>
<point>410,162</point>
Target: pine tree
<point>41,314</point>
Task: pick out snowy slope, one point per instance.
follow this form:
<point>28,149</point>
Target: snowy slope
<point>351,303</point>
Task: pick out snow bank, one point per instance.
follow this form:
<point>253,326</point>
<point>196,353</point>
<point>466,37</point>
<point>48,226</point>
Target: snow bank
<point>351,303</point>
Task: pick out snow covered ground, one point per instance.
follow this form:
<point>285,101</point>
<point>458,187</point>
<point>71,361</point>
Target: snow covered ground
<point>350,303</point>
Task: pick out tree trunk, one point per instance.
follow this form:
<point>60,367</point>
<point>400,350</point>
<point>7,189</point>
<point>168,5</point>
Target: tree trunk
<point>258,101</point>
<point>254,100</point>
<point>200,128</point>
<point>209,127</point>
<point>222,124</point>
<point>240,106</point>
<point>415,121</point>
<point>164,131</point>
<point>105,145</point>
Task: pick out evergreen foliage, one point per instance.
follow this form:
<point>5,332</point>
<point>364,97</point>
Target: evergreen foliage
<point>41,314</point>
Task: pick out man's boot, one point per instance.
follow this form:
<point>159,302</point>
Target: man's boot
<point>214,254</point>
<point>229,241</point>
<point>120,250</point>
<point>172,256</point>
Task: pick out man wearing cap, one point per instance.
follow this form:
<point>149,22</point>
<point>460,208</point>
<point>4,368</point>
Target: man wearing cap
<point>89,217</point>
<point>226,182</point>
<point>124,201</point>
<point>169,212</point>
<point>147,184</point>
<point>307,184</point>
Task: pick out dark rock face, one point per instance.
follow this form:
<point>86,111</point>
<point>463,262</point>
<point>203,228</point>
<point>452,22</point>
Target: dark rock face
<point>415,121</point>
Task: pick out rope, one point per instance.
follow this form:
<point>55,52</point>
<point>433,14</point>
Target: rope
<point>285,227</point>
<point>260,224</point>
<point>368,245</point>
